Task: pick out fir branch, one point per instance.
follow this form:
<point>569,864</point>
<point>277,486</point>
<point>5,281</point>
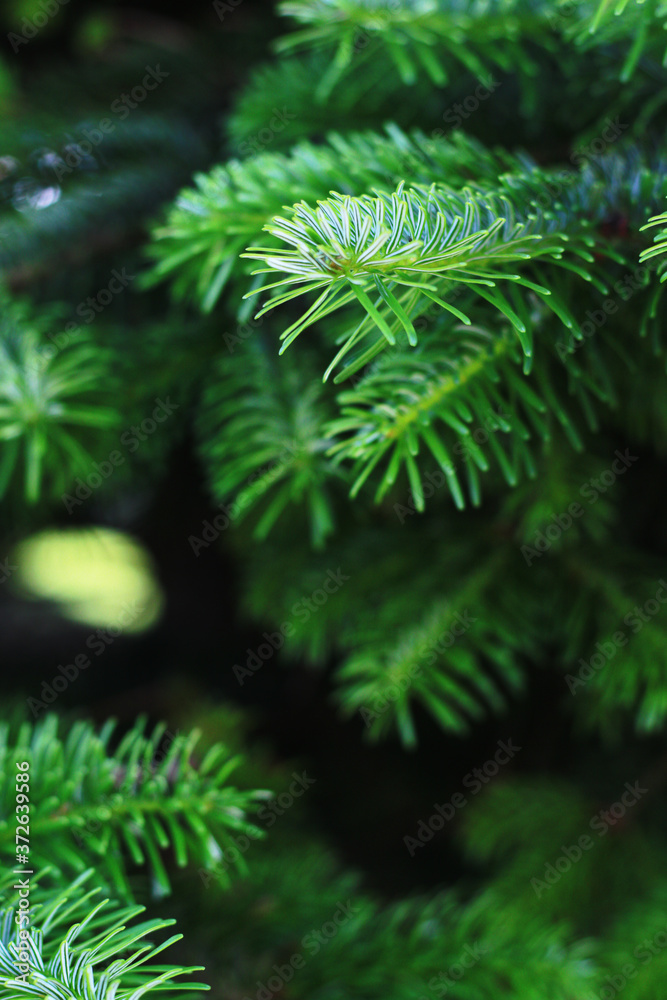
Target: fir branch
<point>45,398</point>
<point>375,94</point>
<point>659,241</point>
<point>198,245</point>
<point>462,384</point>
<point>260,427</point>
<point>361,249</point>
<point>98,957</point>
<point>124,803</point>
<point>403,950</point>
<point>523,825</point>
<point>627,678</point>
<point>458,659</point>
<point>433,37</point>
<point>436,36</point>
<point>635,27</point>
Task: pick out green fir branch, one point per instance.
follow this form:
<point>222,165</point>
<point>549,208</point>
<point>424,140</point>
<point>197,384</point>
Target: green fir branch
<point>122,807</point>
<point>51,398</point>
<point>392,253</point>
<point>78,946</point>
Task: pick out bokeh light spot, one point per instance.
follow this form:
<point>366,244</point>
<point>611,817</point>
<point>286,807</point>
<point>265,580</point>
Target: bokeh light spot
<point>95,575</point>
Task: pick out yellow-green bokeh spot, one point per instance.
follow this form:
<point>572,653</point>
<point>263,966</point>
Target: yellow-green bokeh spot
<point>97,576</point>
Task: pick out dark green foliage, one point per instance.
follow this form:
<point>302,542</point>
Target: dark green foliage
<point>444,494</point>
<point>260,428</point>
<point>513,939</point>
<point>46,397</point>
<point>446,288</point>
<point>209,226</point>
<point>92,803</point>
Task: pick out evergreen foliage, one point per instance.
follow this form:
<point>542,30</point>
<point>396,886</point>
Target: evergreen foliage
<point>438,494</point>
<point>129,800</point>
<point>68,957</point>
